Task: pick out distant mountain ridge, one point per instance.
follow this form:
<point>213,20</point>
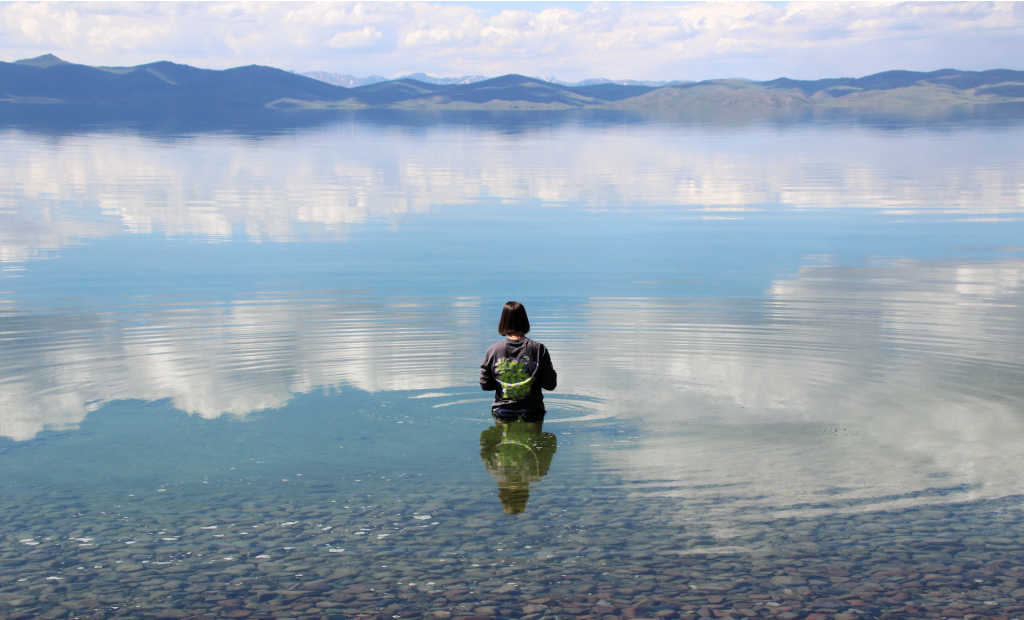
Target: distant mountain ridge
<point>42,62</point>
<point>351,81</point>
<point>171,88</point>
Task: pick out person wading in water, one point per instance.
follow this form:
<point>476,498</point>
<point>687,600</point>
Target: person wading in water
<point>517,368</point>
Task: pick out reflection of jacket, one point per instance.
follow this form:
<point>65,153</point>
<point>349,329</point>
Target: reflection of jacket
<point>515,456</point>
<point>517,370</point>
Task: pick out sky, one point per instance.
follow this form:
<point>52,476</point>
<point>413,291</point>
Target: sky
<point>564,40</point>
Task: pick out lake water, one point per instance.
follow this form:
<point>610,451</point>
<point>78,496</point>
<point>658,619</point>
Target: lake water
<point>238,370</point>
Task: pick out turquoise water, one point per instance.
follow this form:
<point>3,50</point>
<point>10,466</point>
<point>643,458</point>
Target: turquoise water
<point>238,371</point>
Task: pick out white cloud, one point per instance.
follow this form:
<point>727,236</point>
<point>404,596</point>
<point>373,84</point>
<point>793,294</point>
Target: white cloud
<point>350,39</point>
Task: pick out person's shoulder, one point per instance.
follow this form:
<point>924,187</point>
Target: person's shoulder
<point>536,343</point>
<point>496,347</point>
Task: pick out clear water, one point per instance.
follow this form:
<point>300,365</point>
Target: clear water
<point>238,371</point>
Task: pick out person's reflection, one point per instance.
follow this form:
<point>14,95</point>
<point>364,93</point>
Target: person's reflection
<point>516,454</point>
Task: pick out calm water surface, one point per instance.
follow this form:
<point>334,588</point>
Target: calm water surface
<point>238,372</point>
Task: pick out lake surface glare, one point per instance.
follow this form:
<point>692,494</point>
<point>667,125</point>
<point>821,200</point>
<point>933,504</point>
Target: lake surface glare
<point>238,371</point>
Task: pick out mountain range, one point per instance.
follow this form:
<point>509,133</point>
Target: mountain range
<point>169,88</point>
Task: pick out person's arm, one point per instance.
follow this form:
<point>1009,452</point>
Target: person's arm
<point>548,377</point>
<point>487,380</point>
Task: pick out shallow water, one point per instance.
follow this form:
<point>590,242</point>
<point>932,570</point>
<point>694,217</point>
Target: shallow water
<point>238,371</point>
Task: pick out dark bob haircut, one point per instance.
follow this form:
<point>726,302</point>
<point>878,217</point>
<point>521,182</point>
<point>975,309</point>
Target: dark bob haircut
<point>513,319</point>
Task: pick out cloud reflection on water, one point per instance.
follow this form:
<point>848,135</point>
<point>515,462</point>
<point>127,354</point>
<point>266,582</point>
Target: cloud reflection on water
<point>317,184</point>
<point>217,359</point>
<point>844,388</point>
